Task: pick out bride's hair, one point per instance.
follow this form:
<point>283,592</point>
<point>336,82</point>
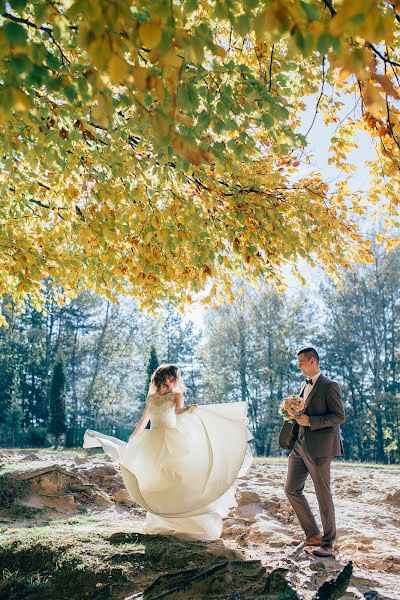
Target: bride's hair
<point>160,376</point>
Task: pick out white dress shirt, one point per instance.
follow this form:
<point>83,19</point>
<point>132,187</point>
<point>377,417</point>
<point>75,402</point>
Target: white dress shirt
<point>308,387</point>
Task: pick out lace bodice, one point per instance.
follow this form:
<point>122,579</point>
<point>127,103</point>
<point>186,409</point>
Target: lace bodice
<point>162,410</point>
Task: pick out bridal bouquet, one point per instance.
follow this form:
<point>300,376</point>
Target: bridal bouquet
<point>291,406</point>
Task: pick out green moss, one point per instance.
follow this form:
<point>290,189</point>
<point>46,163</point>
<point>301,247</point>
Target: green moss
<point>11,489</point>
<point>78,558</point>
<point>44,563</point>
<point>18,511</point>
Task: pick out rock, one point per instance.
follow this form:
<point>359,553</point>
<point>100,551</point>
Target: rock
<point>93,451</point>
<point>30,456</point>
<point>106,477</point>
<point>393,497</point>
<point>122,497</point>
<point>371,595</point>
<point>276,543</point>
<point>196,582</point>
<point>47,479</point>
<point>100,498</point>
<point>64,502</point>
<point>248,498</point>
<point>278,585</point>
<point>317,566</point>
<point>335,588</point>
<point>249,511</point>
<point>106,471</point>
<point>55,487</point>
<point>80,460</point>
<point>237,579</point>
<point>271,504</point>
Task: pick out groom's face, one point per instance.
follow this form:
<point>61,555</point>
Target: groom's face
<point>308,366</point>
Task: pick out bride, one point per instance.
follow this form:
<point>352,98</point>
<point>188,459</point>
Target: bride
<point>181,470</point>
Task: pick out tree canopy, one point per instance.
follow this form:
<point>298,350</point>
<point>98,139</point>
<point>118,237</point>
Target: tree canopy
<point>152,148</point>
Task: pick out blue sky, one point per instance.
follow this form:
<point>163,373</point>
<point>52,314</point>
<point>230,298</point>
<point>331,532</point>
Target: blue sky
<point>319,139</point>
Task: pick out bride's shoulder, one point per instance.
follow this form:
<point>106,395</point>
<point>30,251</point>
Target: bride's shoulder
<point>158,399</point>
<point>158,395</point>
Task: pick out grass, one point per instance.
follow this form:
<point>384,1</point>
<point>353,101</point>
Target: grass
<point>59,561</point>
<point>337,464</point>
<point>81,558</point>
<point>277,460</point>
<point>50,450</point>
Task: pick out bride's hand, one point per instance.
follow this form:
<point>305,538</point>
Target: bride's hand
<point>191,408</point>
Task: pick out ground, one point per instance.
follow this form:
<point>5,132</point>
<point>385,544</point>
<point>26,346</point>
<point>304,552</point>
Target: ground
<point>68,530</point>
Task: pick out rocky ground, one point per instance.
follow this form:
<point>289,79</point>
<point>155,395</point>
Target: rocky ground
<point>69,530</point>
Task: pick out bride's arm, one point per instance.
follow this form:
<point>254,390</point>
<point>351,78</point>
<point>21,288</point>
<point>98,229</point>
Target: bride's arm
<point>141,426</point>
<point>179,404</point>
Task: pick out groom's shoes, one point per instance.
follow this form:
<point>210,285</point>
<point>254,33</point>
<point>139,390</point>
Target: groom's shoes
<point>315,540</point>
<point>324,551</point>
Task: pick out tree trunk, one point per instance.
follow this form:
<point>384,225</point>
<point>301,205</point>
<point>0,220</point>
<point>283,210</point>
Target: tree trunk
<point>380,449</point>
<point>98,356</point>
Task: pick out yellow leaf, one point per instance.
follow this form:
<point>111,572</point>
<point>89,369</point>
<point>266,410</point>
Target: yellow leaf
<point>72,192</point>
<point>102,112</point>
<point>3,322</point>
<point>99,52</point>
<point>171,59</point>
<point>117,69</point>
<point>156,84</point>
<point>20,100</point>
<point>150,34</point>
<point>140,75</point>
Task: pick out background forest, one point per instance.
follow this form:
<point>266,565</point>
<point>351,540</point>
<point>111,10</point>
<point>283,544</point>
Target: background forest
<point>87,364</point>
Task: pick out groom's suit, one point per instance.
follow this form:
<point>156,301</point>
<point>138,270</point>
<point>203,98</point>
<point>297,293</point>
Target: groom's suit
<point>312,449</point>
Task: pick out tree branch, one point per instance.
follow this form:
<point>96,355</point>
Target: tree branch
<point>43,28</point>
<point>320,97</point>
<point>329,6</point>
<point>270,67</point>
<point>382,56</point>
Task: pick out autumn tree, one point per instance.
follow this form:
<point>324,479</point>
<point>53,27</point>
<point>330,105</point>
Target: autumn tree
<point>152,148</point>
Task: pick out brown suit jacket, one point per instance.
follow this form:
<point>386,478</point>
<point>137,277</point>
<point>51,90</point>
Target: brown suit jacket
<point>325,408</point>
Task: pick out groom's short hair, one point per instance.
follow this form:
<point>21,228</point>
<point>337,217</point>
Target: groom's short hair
<point>309,352</point>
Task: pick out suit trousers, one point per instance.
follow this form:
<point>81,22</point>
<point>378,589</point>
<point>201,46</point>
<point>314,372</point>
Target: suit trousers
<point>301,464</point>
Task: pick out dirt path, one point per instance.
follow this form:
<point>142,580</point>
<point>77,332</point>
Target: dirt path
<point>367,501</point>
<point>262,527</point>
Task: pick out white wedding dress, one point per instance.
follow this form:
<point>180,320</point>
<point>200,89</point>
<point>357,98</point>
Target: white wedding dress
<point>182,470</point>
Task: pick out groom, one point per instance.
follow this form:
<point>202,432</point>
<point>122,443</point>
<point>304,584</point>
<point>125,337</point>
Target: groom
<point>315,439</point>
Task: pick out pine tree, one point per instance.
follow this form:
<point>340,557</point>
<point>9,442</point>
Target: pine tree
<point>57,401</point>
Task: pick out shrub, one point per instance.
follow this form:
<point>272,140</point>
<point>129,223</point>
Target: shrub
<point>37,437</point>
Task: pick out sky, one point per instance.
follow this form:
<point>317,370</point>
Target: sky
<point>319,139</point>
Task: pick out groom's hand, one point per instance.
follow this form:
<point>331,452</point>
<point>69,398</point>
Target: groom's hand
<point>303,420</point>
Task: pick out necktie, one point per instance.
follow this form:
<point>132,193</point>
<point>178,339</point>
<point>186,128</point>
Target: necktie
<point>309,380</point>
